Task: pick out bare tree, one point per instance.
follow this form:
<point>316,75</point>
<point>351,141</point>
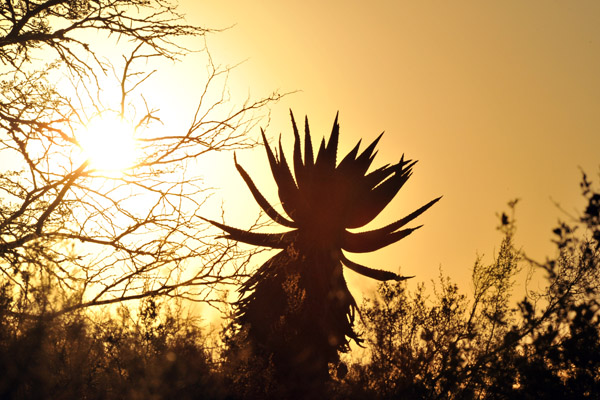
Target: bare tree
<point>80,234</point>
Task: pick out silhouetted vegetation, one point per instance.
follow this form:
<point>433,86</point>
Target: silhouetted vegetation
<point>94,285</point>
<point>296,311</point>
<point>151,352</point>
<point>94,235</point>
<point>452,346</point>
<point>418,344</point>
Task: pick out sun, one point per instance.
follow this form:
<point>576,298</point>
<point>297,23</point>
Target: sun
<point>108,143</point>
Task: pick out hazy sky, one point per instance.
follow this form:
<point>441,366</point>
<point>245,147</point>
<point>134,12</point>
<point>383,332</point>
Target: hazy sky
<point>496,100</point>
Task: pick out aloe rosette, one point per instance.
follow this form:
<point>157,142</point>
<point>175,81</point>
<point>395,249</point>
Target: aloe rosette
<point>297,307</point>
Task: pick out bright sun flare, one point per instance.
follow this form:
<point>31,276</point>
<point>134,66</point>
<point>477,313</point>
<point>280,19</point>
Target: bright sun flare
<point>108,143</point>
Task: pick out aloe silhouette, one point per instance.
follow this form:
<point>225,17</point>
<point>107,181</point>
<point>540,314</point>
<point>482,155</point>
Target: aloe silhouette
<point>296,308</point>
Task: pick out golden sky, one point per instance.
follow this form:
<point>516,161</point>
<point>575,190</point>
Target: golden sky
<point>496,100</point>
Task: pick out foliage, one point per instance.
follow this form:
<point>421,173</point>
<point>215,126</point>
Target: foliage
<point>154,352</point>
<point>444,345</point>
<point>296,309</point>
<point>452,347</point>
<point>74,235</point>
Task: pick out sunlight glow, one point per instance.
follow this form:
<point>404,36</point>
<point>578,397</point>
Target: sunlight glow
<point>109,143</point>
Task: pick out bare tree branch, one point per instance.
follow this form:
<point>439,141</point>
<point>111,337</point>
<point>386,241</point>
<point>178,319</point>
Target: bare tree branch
<point>79,232</point>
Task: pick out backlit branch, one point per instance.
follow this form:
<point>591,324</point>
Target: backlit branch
<point>83,234</point>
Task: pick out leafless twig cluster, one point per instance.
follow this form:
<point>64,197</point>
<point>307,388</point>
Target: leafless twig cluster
<point>73,235</point>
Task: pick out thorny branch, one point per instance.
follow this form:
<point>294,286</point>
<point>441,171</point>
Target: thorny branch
<point>86,236</point>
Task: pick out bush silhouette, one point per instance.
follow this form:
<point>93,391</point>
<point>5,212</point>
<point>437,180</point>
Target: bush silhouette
<point>453,347</point>
<point>138,354</point>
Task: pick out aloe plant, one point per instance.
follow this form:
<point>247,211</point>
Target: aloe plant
<point>296,308</point>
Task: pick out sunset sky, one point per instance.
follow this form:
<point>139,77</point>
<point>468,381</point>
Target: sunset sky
<point>497,100</point>
<point>120,197</point>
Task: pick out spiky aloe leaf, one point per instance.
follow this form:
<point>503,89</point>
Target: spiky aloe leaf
<point>274,240</point>
<point>288,191</point>
<point>371,204</point>
<point>354,241</point>
<point>260,199</point>
<point>365,159</point>
<point>330,153</point>
<point>309,161</point>
<point>376,177</point>
<point>299,167</point>
<point>348,162</point>
<point>377,274</point>
<point>319,163</point>
<point>366,242</point>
